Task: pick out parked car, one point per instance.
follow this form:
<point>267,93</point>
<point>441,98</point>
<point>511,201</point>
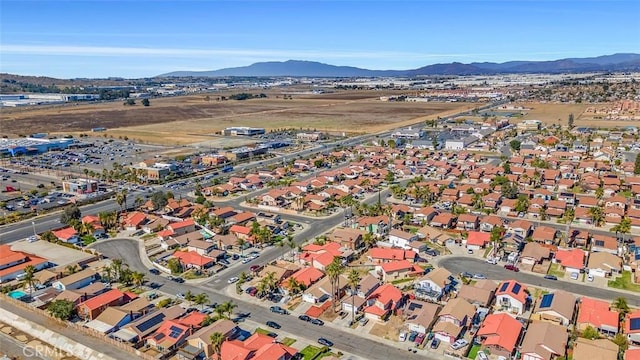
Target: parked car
<point>249,289</point>
<point>278,310</point>
<point>589,277</point>
<point>469,251</point>
<point>413,335</point>
<point>479,276</point>
<point>419,339</point>
<point>459,344</point>
<point>435,343</point>
<point>232,280</point>
<point>551,277</point>
<point>304,317</point>
<point>154,271</point>
<point>492,261</point>
<point>465,274</point>
<point>574,276</point>
<point>317,322</point>
<point>511,267</point>
<point>273,324</point>
<point>402,337</point>
<point>180,296</point>
<point>325,342</point>
<point>363,321</point>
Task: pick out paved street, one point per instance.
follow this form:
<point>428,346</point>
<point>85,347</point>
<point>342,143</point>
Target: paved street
<point>458,264</point>
<point>365,347</point>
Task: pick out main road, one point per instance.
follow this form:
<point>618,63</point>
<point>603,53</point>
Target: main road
<point>458,264</point>
<point>128,251</point>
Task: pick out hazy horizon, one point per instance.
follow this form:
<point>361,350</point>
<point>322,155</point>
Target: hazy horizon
<point>133,39</point>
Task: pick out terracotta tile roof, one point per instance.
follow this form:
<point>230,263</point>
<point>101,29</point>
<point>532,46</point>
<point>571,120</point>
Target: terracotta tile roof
<point>596,313</point>
<point>500,330</point>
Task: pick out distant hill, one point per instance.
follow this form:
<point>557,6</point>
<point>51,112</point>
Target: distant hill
<point>299,68</point>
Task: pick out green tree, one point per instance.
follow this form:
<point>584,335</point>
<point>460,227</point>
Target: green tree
<point>216,339</point>
<point>522,204</point>
<point>159,199</point>
<point>515,145</point>
<point>354,281</point>
<point>48,236</point>
<point>174,265</point>
<point>590,333</point>
<point>510,190</point>
<point>61,309</point>
<point>138,278</point>
<point>597,215</point>
<point>570,122</point>
<point>390,177</point>
<point>623,344</point>
<point>333,271</point>
<point>201,299</point>
<point>69,214</point>
<point>620,304</point>
<point>29,280</point>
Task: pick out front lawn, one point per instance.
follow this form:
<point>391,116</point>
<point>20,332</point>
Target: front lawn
<point>311,352</point>
<point>474,351</point>
<point>556,269</point>
<point>624,282</point>
<point>288,341</point>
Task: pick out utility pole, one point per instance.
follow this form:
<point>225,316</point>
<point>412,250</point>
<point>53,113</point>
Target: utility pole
<point>33,224</point>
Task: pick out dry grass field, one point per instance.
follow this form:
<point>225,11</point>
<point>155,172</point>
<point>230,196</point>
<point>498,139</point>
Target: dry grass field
<point>559,114</point>
<point>192,119</point>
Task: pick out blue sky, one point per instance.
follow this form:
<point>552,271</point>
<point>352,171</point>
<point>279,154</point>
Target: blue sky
<point>146,38</point>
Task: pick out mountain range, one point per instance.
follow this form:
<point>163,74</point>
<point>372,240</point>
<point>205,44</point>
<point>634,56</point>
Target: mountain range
<point>301,68</point>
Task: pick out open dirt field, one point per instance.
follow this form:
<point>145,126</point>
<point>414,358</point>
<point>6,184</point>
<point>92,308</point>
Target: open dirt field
<point>190,119</point>
<point>559,114</point>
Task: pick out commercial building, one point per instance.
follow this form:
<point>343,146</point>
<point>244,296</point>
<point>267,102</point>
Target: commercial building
<point>80,186</point>
<point>242,131</point>
<point>245,152</point>
<point>32,145</point>
<point>310,136</point>
<point>529,125</point>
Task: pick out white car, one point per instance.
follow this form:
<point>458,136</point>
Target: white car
<point>492,261</point>
<point>574,276</point>
<point>589,277</point>
<point>402,337</point>
<point>459,344</point>
<point>232,280</point>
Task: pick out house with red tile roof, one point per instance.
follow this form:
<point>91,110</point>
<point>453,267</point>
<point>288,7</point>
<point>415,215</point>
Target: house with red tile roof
<point>512,297</point>
<point>90,309</point>
<point>240,231</point>
<point>468,222</point>
<point>193,320</point>
<point>382,301</point>
<point>499,333</point>
<point>98,229</point>
<point>193,260</point>
<point>397,270</point>
<point>571,260</point>
<point>379,255</point>
<point>12,263</point>
<point>544,235</point>
<point>68,235</point>
<point>632,327</point>
<point>477,240</point>
<point>487,223</point>
<point>256,347</point>
<point>135,220</point>
<point>170,335</point>
<point>307,276</point>
<point>443,220</point>
<point>597,314</point>
<point>182,227</point>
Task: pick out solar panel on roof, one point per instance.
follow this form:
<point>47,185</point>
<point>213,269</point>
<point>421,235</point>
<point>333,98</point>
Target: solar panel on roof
<point>504,287</point>
<point>634,324</point>
<point>516,288</point>
<point>175,328</point>
<point>146,325</point>
<point>414,306</point>
<point>547,299</point>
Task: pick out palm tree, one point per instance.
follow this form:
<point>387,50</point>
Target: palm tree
<point>188,296</point>
<point>201,299</point>
<point>137,278</point>
<point>368,240</point>
<point>29,281</point>
<point>354,281</point>
<point>621,305</point>
<point>334,270</point>
<point>217,339</point>
<point>121,199</point>
<point>117,268</point>
<point>295,286</point>
<point>87,228</point>
<point>107,273</point>
<point>72,269</point>
<point>227,308</point>
<point>241,244</point>
<point>597,215</point>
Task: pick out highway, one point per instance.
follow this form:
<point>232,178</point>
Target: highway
<point>458,264</point>
<point>128,250</point>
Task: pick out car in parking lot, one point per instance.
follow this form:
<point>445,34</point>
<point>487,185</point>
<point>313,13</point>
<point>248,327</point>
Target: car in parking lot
<point>232,280</point>
<point>273,324</point>
<point>459,344</point>
<point>419,339</point>
<point>435,343</point>
<point>551,277</point>
<point>304,317</point>
<point>511,267</point>
<point>325,342</point>
<point>413,335</point>
<point>402,337</point>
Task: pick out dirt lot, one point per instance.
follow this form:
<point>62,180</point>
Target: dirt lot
<point>559,114</point>
<point>389,330</point>
<point>190,119</point>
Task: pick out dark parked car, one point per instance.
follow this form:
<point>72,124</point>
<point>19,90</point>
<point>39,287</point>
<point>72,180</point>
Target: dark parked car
<point>154,285</point>
<point>249,289</point>
<point>551,277</point>
<point>511,267</point>
<point>317,322</point>
<point>273,324</point>
<point>304,317</point>
<point>154,271</point>
<point>279,310</point>
<point>325,342</point>
<point>435,343</point>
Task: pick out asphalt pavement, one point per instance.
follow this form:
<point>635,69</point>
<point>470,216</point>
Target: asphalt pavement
<point>458,264</point>
<point>128,251</point>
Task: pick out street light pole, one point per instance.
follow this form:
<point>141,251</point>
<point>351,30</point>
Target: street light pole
<point>33,224</point>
